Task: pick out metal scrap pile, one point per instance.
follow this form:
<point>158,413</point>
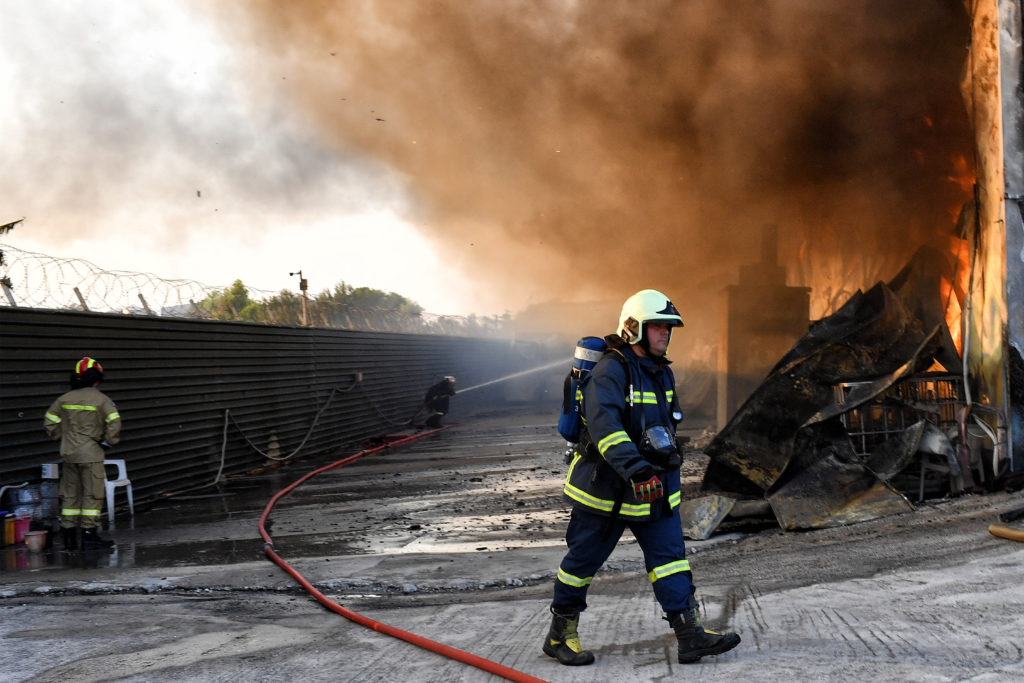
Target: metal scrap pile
<point>789,445</point>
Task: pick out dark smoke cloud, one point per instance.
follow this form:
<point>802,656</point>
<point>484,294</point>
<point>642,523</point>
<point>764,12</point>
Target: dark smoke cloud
<point>584,150</point>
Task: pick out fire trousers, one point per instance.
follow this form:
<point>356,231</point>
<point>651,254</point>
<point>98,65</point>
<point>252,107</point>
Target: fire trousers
<point>592,538</point>
<point>82,490</point>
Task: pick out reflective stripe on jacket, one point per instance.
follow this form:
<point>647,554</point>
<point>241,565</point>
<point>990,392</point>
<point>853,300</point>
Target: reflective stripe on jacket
<point>605,460</point>
<point>82,418</point>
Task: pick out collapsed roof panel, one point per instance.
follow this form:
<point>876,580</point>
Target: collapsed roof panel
<point>786,443</point>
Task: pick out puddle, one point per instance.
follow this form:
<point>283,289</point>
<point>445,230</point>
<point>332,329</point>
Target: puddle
<point>124,555</point>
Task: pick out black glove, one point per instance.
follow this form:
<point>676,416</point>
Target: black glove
<point>646,485</point>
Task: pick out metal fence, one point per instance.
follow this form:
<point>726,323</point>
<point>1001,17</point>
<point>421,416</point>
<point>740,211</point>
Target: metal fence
<point>193,394</point>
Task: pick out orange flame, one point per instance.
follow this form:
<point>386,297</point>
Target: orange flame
<point>962,175</point>
<point>954,291</point>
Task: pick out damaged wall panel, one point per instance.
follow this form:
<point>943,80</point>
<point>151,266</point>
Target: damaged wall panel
<point>1011,73</point>
<point>985,352</point>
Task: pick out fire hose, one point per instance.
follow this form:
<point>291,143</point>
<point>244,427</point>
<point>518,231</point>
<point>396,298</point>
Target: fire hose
<point>426,643</point>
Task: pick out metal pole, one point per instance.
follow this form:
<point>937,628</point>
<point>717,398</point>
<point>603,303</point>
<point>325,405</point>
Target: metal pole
<point>81,299</point>
<point>303,287</point>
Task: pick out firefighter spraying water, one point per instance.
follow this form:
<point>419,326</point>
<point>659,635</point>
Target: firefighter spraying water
<point>438,395</point>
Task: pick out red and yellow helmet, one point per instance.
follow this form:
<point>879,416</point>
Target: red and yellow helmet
<point>85,364</point>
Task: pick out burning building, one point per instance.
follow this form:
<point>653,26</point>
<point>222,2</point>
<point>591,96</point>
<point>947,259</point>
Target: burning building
<point>916,376</point>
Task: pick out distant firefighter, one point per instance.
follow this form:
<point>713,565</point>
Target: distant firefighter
<point>436,400</point>
<point>86,422</point>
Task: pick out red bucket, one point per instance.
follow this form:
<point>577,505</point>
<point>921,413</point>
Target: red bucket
<point>21,525</point>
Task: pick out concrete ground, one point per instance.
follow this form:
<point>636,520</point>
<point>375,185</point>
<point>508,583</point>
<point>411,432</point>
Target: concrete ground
<point>456,538</point>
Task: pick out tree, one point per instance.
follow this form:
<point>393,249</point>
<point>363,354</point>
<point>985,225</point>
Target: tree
<point>233,303</point>
<point>365,307</point>
<point>369,299</point>
<point>282,309</point>
<point>344,306</point>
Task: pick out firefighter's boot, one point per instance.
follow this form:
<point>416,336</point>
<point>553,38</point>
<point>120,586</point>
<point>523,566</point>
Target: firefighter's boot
<point>70,535</point>
<point>563,642</point>
<point>91,540</point>
<point>696,642</point>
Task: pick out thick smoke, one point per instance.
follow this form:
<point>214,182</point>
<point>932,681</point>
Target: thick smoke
<point>579,151</point>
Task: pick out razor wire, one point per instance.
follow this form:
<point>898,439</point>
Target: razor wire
<point>50,282</point>
<point>42,281</point>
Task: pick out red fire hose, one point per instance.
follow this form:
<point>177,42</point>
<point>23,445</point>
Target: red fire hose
<point>426,643</point>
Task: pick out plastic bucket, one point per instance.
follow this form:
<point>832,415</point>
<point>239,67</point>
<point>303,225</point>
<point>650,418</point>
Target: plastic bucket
<point>35,540</point>
<point>21,525</point>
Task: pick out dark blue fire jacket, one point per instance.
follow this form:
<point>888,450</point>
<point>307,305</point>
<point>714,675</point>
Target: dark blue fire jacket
<point>623,395</point>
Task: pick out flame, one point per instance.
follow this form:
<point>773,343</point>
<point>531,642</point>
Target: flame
<point>962,174</point>
<point>954,290</point>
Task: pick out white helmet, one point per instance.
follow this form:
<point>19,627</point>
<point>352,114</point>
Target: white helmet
<point>646,306</point>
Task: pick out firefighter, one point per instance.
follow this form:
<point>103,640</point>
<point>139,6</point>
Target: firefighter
<point>436,400</point>
<point>624,474</point>
<point>86,422</point>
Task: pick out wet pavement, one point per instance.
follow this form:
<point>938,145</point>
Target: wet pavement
<point>494,488</point>
<point>456,537</point>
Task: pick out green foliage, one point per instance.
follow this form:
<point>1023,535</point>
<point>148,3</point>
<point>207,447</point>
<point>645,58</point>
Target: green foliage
<point>282,309</point>
<point>366,299</point>
<point>344,306</point>
<point>232,303</point>
<point>348,307</point>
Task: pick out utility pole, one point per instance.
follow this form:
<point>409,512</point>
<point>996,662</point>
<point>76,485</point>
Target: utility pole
<point>303,287</point>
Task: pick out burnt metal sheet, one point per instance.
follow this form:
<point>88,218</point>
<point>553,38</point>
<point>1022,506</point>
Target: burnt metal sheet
<point>787,440</point>
<point>893,455</point>
<point>864,392</point>
<point>827,485</point>
<point>701,516</point>
<point>873,334</point>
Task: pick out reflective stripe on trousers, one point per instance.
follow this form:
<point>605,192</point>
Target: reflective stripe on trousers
<point>82,490</point>
<point>591,539</point>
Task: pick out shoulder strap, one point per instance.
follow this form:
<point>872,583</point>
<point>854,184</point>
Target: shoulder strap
<point>567,399</point>
<point>615,344</point>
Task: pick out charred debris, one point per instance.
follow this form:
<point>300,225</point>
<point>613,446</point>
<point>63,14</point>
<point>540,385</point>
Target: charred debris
<point>866,413</point>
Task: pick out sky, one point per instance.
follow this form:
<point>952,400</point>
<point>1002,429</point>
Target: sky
<point>489,156</point>
<point>131,140</point>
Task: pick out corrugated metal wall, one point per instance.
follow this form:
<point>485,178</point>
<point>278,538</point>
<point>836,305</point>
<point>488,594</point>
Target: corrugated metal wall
<point>173,380</point>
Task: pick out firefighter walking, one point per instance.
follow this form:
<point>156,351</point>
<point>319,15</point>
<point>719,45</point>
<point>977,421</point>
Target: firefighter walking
<point>624,474</point>
<point>85,420</point>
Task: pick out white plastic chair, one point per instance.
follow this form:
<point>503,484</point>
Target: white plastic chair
<point>112,484</point>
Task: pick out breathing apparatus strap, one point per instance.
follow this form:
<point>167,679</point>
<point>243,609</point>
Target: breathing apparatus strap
<point>567,399</point>
<point>621,495</point>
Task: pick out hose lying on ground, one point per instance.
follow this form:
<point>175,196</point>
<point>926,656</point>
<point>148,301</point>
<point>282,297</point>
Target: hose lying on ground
<point>426,643</point>
<point>1006,532</point>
